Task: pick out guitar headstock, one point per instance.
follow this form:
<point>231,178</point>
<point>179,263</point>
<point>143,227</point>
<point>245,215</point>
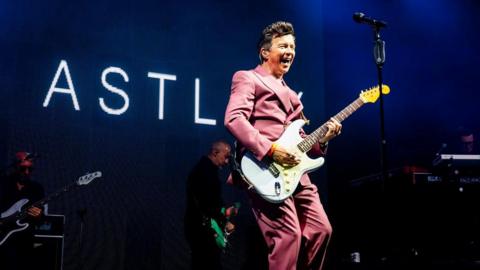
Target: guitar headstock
<point>371,95</point>
<point>87,178</point>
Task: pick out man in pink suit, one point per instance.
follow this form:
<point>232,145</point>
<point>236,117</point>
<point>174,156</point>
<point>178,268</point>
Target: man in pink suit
<point>261,105</point>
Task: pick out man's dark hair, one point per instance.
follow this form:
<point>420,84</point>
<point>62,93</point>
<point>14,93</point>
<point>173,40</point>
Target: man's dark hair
<point>276,29</point>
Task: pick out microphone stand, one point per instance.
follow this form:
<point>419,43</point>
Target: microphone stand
<point>379,56</point>
<point>82,212</point>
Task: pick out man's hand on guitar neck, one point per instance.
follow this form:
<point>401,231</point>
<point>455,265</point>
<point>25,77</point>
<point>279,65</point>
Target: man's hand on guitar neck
<point>34,211</point>
<point>334,129</point>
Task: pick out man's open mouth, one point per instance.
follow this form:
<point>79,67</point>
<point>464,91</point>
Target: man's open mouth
<point>286,61</point>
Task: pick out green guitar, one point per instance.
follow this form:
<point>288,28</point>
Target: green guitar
<point>221,235</point>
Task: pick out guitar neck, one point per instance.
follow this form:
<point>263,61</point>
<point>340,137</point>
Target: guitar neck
<point>24,213</point>
<point>307,143</point>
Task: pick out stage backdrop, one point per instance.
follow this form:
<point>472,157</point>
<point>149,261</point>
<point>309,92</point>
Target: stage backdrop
<point>138,89</point>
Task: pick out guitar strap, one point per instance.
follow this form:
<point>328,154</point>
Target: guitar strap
<point>298,110</point>
<point>236,169</point>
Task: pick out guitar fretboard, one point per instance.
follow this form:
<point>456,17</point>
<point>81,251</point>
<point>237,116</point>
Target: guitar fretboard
<point>24,213</point>
<point>307,143</point>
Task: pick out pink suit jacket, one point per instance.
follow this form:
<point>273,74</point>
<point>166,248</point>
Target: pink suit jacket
<point>259,109</point>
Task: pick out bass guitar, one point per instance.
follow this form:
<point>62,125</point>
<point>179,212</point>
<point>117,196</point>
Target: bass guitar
<point>11,219</point>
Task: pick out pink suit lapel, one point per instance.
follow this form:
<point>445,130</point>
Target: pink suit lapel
<point>274,85</point>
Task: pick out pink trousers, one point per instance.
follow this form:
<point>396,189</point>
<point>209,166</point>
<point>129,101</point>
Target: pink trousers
<point>296,231</point>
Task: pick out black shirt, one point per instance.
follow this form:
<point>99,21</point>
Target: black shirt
<point>204,198</point>
<point>17,253</point>
<point>9,193</point>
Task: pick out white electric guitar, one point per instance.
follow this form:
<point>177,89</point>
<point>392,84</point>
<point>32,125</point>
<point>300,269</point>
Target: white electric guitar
<point>275,182</point>
<point>11,219</point>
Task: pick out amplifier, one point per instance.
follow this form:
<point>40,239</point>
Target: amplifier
<point>425,178</point>
<point>48,242</point>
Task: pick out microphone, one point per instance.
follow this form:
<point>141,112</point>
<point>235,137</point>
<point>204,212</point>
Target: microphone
<point>438,154</point>
<point>359,17</point>
<point>443,146</point>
